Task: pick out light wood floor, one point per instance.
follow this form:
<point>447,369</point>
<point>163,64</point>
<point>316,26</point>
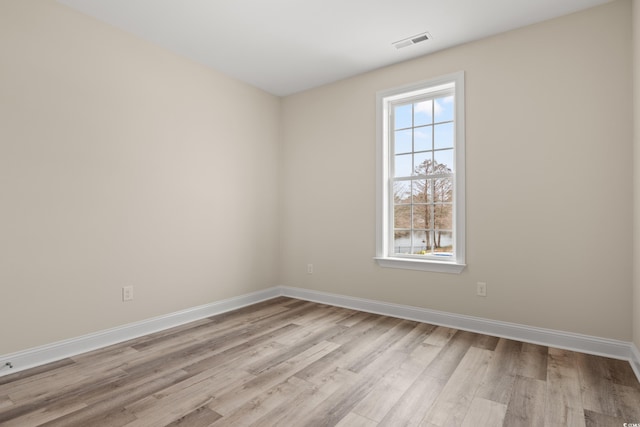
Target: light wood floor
<point>287,362</point>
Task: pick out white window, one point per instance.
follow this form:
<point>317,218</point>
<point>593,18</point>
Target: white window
<point>420,172</point>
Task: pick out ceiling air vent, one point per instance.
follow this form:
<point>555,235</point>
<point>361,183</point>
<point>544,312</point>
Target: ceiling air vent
<point>418,38</point>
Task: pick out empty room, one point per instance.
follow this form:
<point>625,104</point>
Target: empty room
<point>319,213</point>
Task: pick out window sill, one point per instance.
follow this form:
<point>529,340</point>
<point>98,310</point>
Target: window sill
<point>422,265</point>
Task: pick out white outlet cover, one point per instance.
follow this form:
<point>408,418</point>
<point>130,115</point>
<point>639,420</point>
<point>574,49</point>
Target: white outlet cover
<point>481,289</point>
<point>127,293</point>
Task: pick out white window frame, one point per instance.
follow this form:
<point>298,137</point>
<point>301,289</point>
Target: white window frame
<point>384,205</point>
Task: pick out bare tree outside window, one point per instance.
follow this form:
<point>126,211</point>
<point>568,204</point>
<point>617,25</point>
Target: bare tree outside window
<point>425,206</point>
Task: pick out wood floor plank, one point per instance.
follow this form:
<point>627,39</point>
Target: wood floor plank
<point>287,362</point>
<point>627,403</point>
<point>338,405</point>
<point>111,359</point>
<point>292,412</point>
<point>370,325</point>
<point>301,346</point>
<point>320,314</point>
<point>486,342</point>
<point>292,303</point>
<point>603,391</point>
<point>180,407</point>
<point>414,404</point>
<point>227,402</point>
<point>440,336</point>
<point>595,377</point>
<point>260,405</point>
<point>236,358</point>
<point>414,338</point>
<point>5,402</point>
<point>310,331</point>
<point>108,401</point>
<point>621,373</point>
<point>33,374</point>
<point>213,381</point>
<point>26,403</point>
<point>201,417</point>
<point>375,405</point>
<point>501,374</point>
<point>485,413</point>
<point>43,415</point>
<point>61,380</point>
<point>425,353</point>
<point>533,361</point>
<point>94,417</point>
<point>171,335</point>
<point>594,419</point>
<point>354,318</point>
<point>208,387</point>
<point>351,343</point>
<point>354,420</point>
<point>237,349</point>
<point>564,397</point>
<point>454,400</point>
<point>375,348</point>
<point>527,403</point>
<point>330,411</point>
<point>447,360</point>
<point>244,314</point>
<point>363,346</point>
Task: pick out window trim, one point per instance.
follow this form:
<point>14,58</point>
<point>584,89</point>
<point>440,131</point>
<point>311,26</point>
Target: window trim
<point>383,100</point>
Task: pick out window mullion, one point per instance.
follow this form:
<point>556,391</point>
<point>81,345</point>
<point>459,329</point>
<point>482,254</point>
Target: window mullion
<point>425,105</point>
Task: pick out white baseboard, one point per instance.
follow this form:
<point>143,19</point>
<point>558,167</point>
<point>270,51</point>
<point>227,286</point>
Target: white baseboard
<point>62,349</point>
<point>635,360</point>
<point>548,337</point>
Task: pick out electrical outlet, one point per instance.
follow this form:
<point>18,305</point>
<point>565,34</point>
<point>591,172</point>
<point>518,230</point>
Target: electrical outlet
<point>309,268</point>
<point>481,289</point>
<point>127,293</point>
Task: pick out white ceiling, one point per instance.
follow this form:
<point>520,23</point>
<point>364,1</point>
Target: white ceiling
<point>286,46</point>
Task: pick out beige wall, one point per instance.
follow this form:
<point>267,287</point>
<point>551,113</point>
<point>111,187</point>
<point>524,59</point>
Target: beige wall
<point>636,180</point>
<point>123,164</point>
<point>549,179</point>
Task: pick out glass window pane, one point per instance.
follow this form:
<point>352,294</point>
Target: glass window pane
<point>443,135</point>
<point>422,138</point>
<point>443,190</point>
<point>421,244</point>
<point>402,141</point>
<point>402,192</point>
<point>443,243</point>
<point>421,162</point>
<point>443,216</point>
<point>401,242</point>
<point>420,142</point>
<point>443,161</point>
<point>422,191</point>
<point>403,117</point>
<point>422,216</point>
<point>403,165</point>
<point>422,113</point>
<point>443,109</point>
<point>402,216</point>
